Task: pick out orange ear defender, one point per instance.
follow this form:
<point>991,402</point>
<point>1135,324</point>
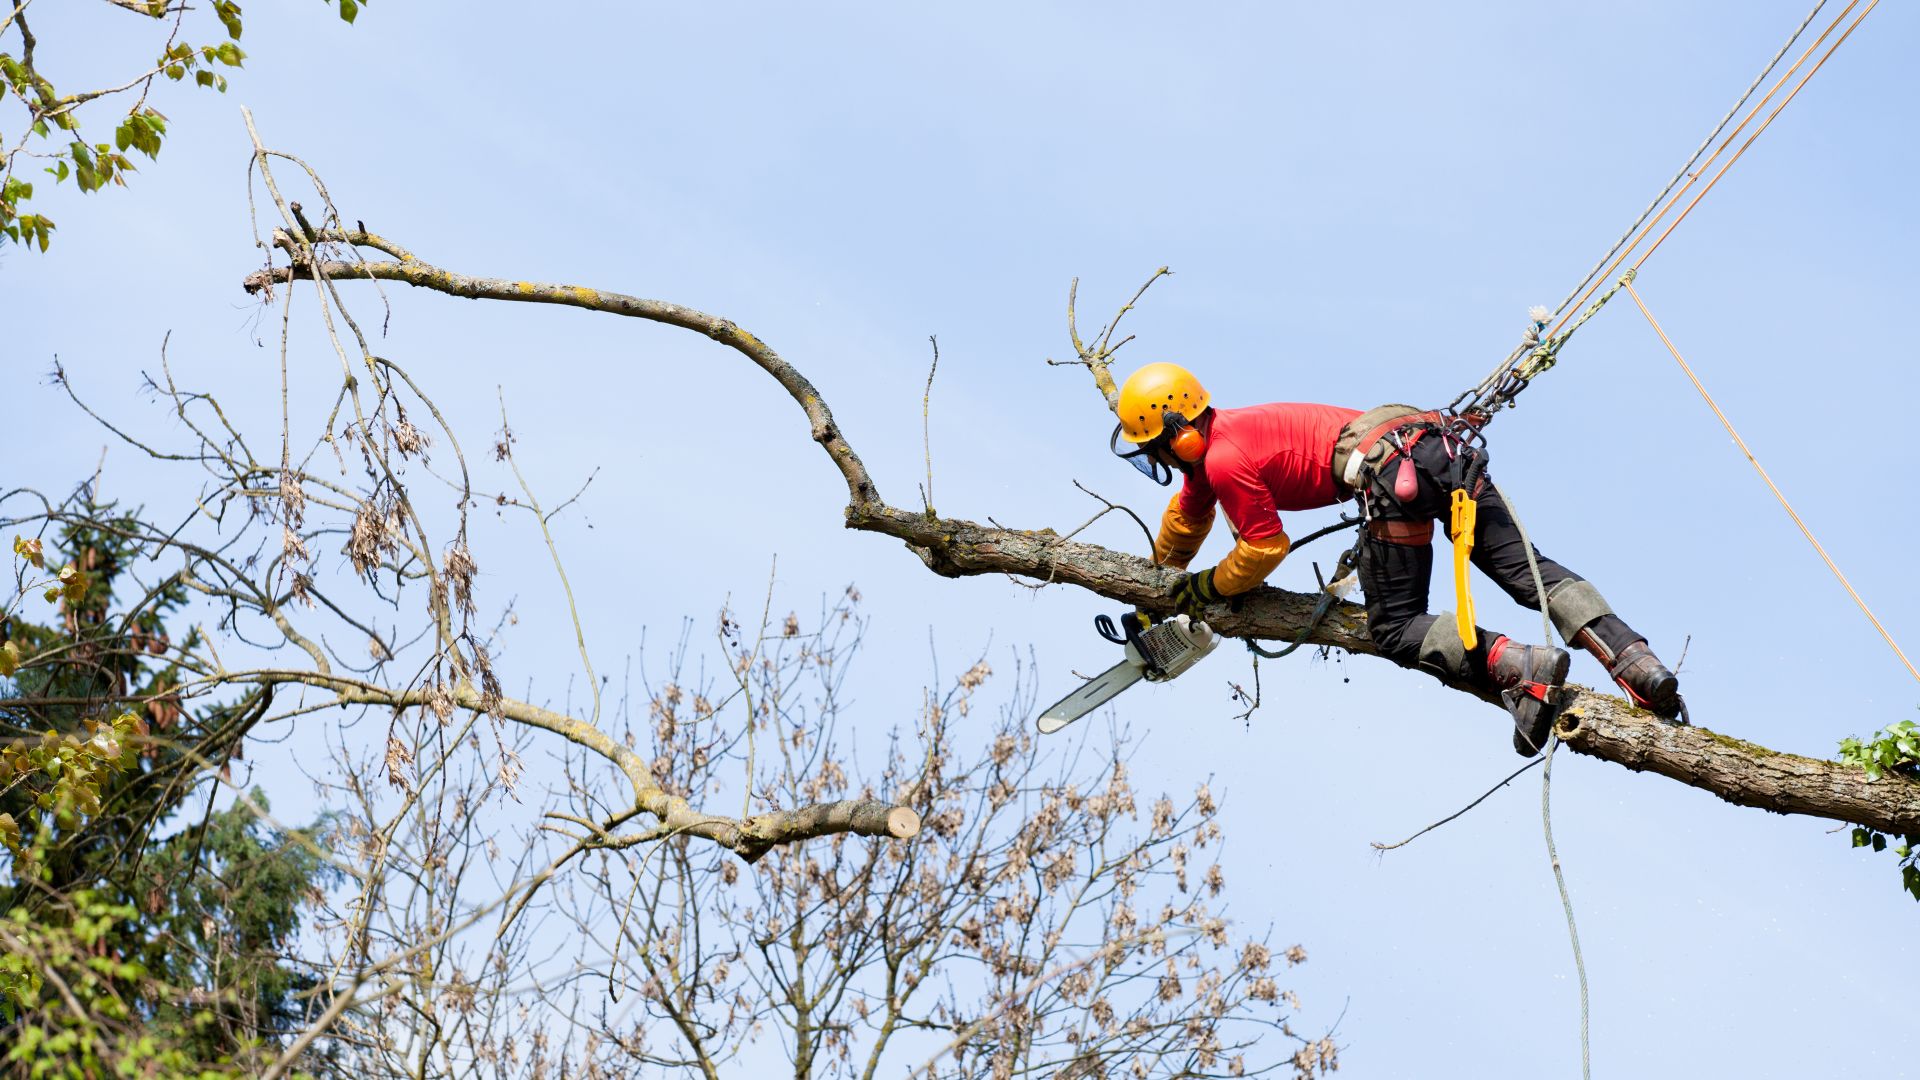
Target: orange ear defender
<point>1187,443</point>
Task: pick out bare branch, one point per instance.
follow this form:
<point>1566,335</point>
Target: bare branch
<point>1098,357</point>
<point>926,432</point>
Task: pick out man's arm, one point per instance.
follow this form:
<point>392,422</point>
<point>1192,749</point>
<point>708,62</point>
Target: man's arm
<point>1259,543</point>
<point>1249,563</point>
<point>1183,528</point>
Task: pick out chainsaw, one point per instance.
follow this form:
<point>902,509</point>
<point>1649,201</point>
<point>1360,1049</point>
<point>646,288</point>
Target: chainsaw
<point>1156,654</point>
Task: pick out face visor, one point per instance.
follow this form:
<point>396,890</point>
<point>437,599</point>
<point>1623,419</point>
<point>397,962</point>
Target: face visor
<point>1141,456</point>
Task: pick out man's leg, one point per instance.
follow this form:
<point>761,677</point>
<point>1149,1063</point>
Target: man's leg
<point>1396,574</point>
<point>1577,609</point>
<point>1396,570</point>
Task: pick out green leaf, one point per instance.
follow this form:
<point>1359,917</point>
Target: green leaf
<point>1860,837</point>
<point>349,10</point>
<point>229,13</point>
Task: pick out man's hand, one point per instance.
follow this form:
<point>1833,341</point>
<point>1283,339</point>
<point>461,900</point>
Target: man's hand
<point>1196,591</point>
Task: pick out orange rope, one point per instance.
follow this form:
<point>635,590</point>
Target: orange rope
<point>1756,133</point>
<point>1755,462</point>
<point>1695,178</point>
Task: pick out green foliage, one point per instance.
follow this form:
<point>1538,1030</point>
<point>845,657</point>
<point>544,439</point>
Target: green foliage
<point>90,163</point>
<point>1896,749</point>
<point>61,773</point>
<point>1894,752</point>
<point>220,904</point>
<point>73,1006</point>
<point>141,131</point>
<point>99,757</point>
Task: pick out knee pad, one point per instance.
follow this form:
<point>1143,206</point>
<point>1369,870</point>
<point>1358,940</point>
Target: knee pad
<point>1442,653</point>
<point>1573,605</point>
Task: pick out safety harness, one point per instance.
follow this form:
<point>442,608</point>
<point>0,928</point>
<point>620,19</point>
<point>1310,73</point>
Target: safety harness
<point>1383,435</point>
<point>1388,434</point>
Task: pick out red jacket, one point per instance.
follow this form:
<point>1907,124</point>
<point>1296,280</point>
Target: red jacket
<point>1260,460</point>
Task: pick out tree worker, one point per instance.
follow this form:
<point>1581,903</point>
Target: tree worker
<point>1407,469</point>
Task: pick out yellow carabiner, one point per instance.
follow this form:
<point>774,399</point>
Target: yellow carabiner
<point>1464,515</point>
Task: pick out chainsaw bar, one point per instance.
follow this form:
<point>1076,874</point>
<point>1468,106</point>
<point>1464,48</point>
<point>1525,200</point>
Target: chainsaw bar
<point>1092,694</point>
<point>1156,655</point>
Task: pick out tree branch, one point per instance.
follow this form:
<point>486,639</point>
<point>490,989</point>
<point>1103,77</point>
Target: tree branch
<point>1594,724</point>
<point>750,838</point>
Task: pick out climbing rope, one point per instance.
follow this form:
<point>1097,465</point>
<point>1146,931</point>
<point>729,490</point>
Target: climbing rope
<point>1566,902</point>
<point>1791,94</point>
<point>1546,801</point>
<point>1687,168</point>
<point>1539,349</point>
<point>1771,486</point>
<point>1349,559</point>
<point>1498,389</point>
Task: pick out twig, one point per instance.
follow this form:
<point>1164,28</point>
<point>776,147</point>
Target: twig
<point>1377,846</point>
<point>555,512</point>
<point>1107,335</point>
<point>926,436</point>
<point>1252,701</point>
<point>746,689</point>
<point>1082,527</point>
<point>1152,553</point>
<point>573,609</point>
<point>1099,355</point>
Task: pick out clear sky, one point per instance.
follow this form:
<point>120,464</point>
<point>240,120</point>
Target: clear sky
<point>1359,204</point>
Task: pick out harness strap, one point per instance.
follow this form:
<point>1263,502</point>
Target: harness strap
<point>1362,435</point>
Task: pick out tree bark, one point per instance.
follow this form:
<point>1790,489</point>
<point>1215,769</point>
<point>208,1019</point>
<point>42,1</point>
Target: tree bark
<point>1595,724</point>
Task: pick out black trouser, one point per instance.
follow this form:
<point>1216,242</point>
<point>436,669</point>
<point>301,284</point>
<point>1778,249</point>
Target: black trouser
<point>1396,565</point>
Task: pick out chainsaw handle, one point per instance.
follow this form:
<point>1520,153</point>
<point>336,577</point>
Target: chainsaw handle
<point>1104,625</point>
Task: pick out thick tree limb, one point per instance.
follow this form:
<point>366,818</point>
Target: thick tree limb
<point>1594,724</point>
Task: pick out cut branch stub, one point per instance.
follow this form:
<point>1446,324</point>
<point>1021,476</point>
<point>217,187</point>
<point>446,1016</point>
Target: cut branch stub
<point>863,818</point>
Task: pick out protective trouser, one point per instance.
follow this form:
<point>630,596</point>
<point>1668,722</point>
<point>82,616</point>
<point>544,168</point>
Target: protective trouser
<point>1396,571</point>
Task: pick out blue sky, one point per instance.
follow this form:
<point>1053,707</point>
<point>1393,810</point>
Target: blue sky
<point>1359,204</point>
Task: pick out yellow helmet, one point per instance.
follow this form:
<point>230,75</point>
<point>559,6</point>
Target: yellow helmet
<point>1151,392</point>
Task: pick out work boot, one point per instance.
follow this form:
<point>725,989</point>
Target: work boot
<point>1529,677</point>
<point>1647,681</point>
